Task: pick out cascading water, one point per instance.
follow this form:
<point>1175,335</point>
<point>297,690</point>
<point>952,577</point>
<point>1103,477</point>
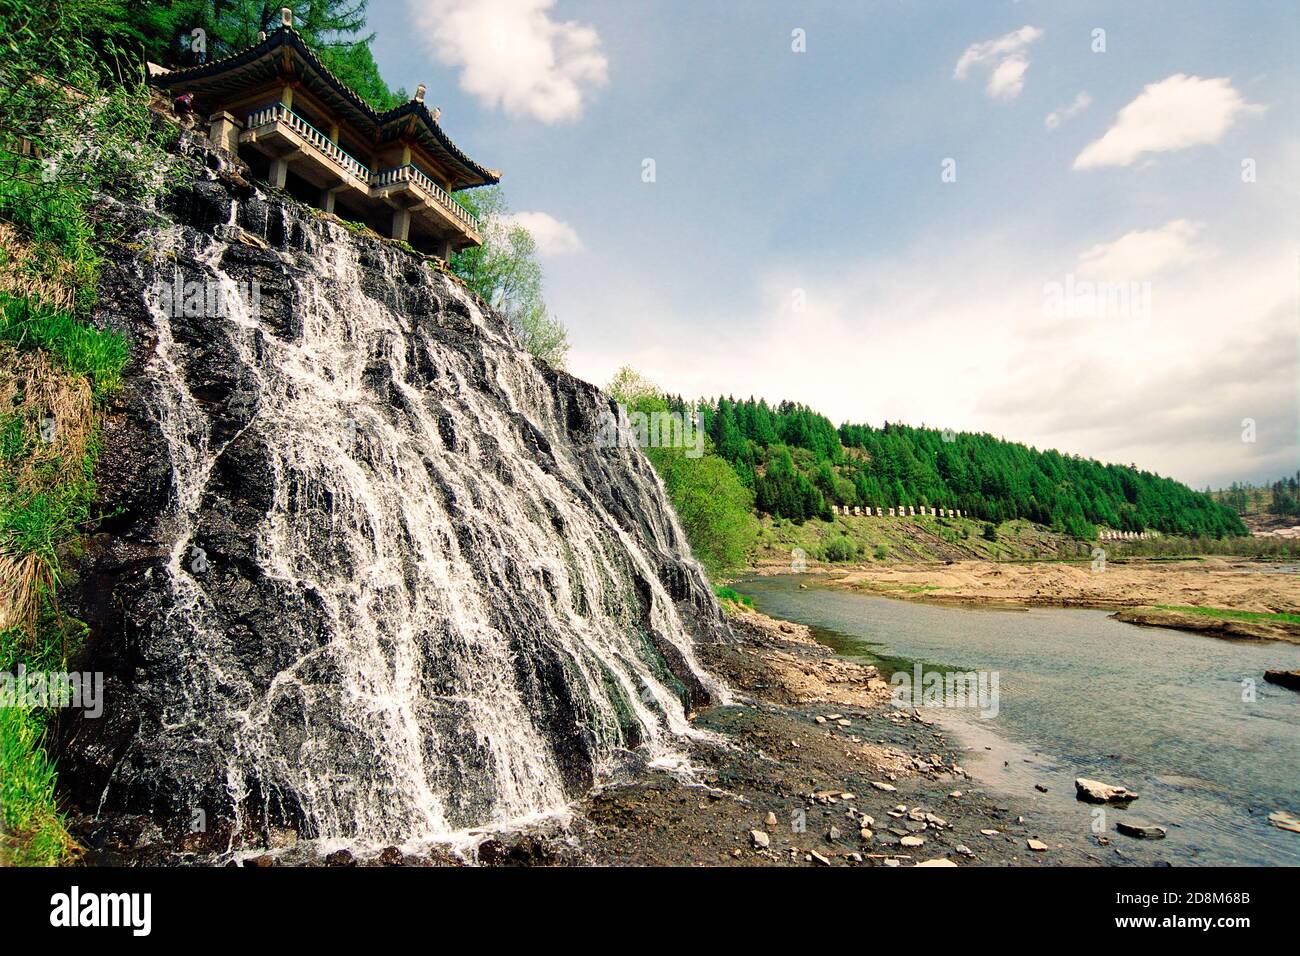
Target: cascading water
<point>393,587</point>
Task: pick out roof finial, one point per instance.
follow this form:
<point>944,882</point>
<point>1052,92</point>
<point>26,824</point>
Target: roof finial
<point>419,93</point>
<point>436,112</point>
<point>286,16</point>
<point>261,35</point>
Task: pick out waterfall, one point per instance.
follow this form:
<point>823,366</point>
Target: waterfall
<point>404,592</point>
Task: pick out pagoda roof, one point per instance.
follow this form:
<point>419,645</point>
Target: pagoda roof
<point>284,55</point>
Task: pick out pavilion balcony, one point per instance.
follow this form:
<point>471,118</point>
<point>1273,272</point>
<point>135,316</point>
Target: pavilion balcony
<point>290,142</point>
<point>412,186</point>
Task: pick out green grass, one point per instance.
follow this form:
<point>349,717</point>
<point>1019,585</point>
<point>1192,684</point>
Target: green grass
<point>97,354</point>
<point>1223,613</point>
<point>725,593</point>
<point>32,830</point>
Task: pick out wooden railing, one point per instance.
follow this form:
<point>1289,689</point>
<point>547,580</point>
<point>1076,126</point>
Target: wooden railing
<point>278,112</point>
<point>412,173</point>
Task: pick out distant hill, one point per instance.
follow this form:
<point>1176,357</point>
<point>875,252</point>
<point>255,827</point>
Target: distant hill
<point>798,464</point>
<point>1282,497</point>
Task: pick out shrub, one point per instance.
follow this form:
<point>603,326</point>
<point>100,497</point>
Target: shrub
<point>840,548</point>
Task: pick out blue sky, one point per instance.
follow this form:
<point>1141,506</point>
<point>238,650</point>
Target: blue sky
<point>798,240</point>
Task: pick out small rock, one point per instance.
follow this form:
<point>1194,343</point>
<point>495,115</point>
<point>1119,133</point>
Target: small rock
<point>887,787</point>
<point>820,859</point>
<point>1094,791</point>
<point>1038,846</point>
<point>761,839</point>
<point>1139,830</point>
<point>866,834</point>
<point>820,719</point>
<point>939,861</point>
<point>833,834</point>
<point>770,819</point>
<point>990,832</point>
<point>955,795</point>
<point>1040,788</point>
<point>912,840</point>
<point>964,850</point>
<point>341,858</point>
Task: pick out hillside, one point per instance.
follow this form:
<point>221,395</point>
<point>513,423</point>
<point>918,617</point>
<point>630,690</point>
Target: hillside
<point>799,465</point>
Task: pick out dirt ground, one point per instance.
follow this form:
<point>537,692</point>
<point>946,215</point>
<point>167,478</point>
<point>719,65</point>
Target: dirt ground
<point>1133,587</point>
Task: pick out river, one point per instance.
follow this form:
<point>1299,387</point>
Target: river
<point>1184,719</point>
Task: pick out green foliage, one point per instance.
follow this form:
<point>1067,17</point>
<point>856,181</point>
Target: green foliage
<point>74,128</point>
<point>726,594</point>
<point>32,831</point>
<point>840,548</point>
<point>713,506</point>
<point>881,552</point>
<point>95,353</point>
<point>990,531</point>
<point>505,273</point>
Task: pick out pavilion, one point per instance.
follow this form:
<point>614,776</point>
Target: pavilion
<point>300,129</point>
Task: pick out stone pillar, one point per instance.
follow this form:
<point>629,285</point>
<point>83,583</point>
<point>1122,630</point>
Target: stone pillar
<point>279,168</point>
<point>447,250</point>
<point>327,200</point>
<point>223,130</point>
<point>401,224</point>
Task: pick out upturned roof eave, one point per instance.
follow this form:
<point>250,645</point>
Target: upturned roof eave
<point>364,116</point>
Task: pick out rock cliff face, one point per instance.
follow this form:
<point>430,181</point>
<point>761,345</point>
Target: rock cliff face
<point>367,573</point>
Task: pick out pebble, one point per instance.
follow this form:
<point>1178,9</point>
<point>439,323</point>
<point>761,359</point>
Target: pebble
<point>761,839</point>
<point>1037,845</point>
<point>887,787</point>
<point>912,840</point>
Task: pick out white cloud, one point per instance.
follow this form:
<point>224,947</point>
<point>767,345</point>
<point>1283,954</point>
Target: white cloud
<point>513,55</point>
<point>1167,391</point>
<point>1178,112</point>
<point>554,237</point>
<point>1077,106</point>
<point>1006,58</point>
<point>1008,78</point>
<point>1144,252</point>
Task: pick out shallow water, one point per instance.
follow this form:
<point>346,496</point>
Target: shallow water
<point>1166,713</point>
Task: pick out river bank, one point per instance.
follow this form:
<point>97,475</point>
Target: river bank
<point>1224,596</point>
<point>816,768</point>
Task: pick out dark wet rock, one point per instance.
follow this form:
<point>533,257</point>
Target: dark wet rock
<point>340,858</point>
